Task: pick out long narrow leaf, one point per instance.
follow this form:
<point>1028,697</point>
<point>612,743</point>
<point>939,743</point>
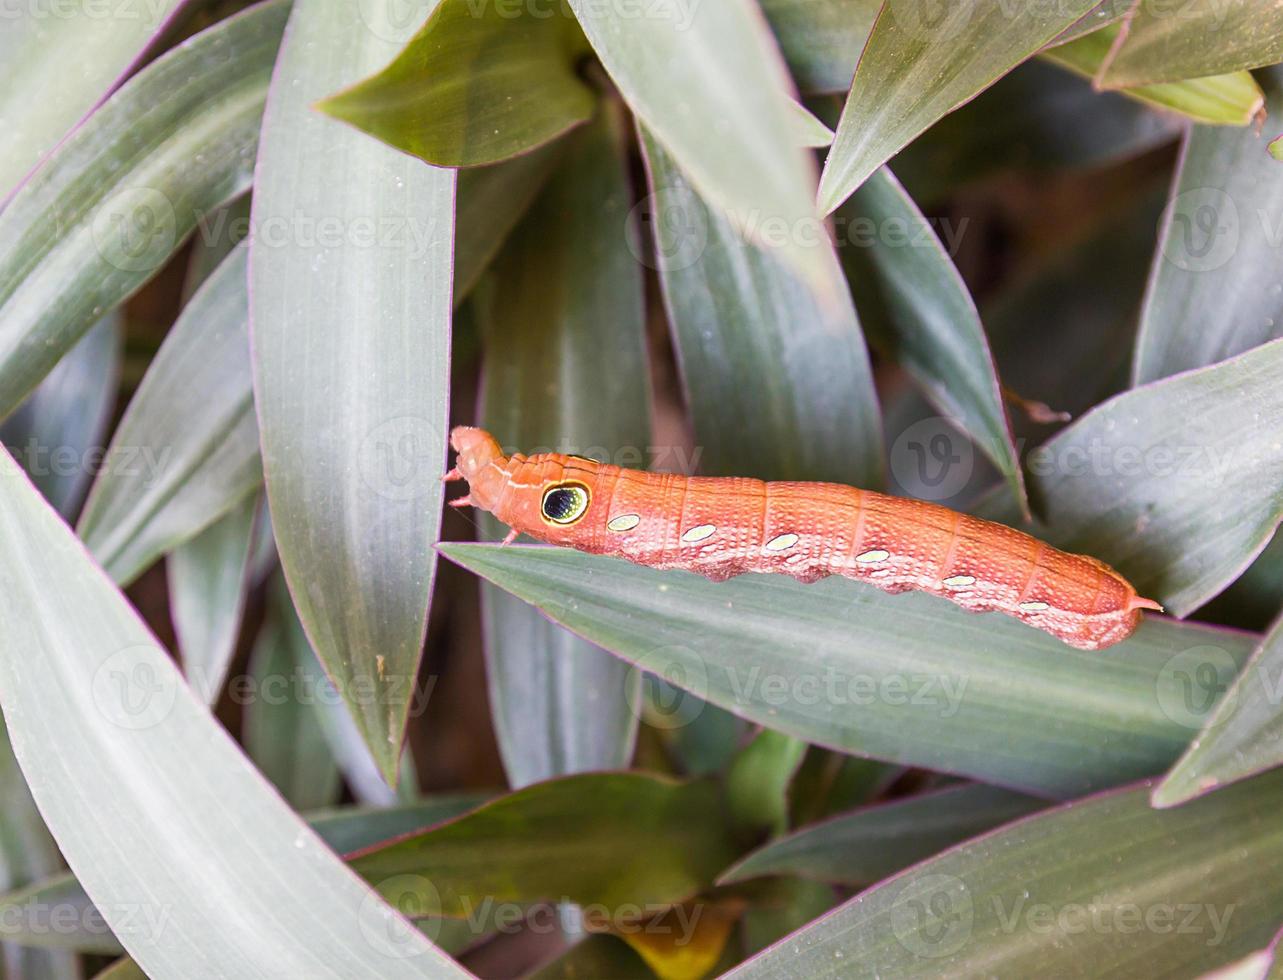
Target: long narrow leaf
<point>1177,483</point>
<point>104,213</point>
<point>41,100</point>
<point>102,723</point>
<point>491,201</point>
<point>1165,44</point>
<point>207,578</point>
<point>668,834</point>
<point>1228,100</point>
<point>565,367</point>
<point>921,61</point>
<point>343,829</point>
<point>778,383</point>
<point>478,84</point>
<point>692,70</point>
<point>350,333</point>
<point>872,843</point>
<point>906,678</point>
<point>186,450</point>
<point>1102,887</point>
<point>55,433</point>
<point>1220,240</point>
<point>27,852</point>
<point>917,309</point>
<point>1242,736</point>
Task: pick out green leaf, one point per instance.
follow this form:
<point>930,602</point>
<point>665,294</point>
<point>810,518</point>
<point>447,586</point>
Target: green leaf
<point>1218,247</point>
<point>801,902</point>
<point>283,733</point>
<point>828,782</point>
<point>1194,40</point>
<point>666,841</point>
<point>350,317</point>
<point>27,852</point>
<point>343,829</point>
<point>491,201</point>
<point>1037,118</point>
<point>757,784</point>
<point>1101,887</point>
<point>217,234</point>
<point>1142,481</point>
<point>1243,735</point>
<point>821,39</point>
<point>564,367</point>
<point>477,84</point>
<point>207,578</point>
<point>55,434</point>
<point>186,451</point>
<point>808,129</point>
<point>351,828</point>
<point>917,310</point>
<point>777,382</point>
<point>908,678</point>
<point>41,100</point>
<point>876,842</point>
<point>922,61</point>
<point>1229,100</point>
<point>346,745</point>
<point>708,83</point>
<point>102,723</point>
<point>105,213</point>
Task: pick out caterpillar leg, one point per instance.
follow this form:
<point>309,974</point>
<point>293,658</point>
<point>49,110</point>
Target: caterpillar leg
<point>511,537</point>
<point>453,475</point>
<point>464,501</point>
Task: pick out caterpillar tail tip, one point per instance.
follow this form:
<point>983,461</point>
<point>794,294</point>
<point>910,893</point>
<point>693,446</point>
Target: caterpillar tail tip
<point>1139,602</point>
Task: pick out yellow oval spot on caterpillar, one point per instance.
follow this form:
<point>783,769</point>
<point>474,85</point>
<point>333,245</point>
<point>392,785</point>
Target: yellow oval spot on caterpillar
<point>781,543</point>
<point>869,557</point>
<point>1033,606</point>
<point>699,533</point>
<point>960,581</point>
<point>624,522</point>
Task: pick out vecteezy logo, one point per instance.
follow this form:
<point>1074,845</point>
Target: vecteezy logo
<point>931,460</point>
<point>666,688</point>
<point>393,935</point>
<point>932,916</point>
<point>1204,230</point>
<point>675,222</point>
<point>1192,683</point>
<point>928,19</point>
<point>394,21</point>
<point>401,458</point>
<point>135,230</point>
<point>135,687</point>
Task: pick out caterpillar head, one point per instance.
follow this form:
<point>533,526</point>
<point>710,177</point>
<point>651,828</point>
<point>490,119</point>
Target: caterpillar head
<point>477,452</point>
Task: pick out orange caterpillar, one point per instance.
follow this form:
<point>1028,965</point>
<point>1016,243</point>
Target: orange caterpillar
<point>724,527</point>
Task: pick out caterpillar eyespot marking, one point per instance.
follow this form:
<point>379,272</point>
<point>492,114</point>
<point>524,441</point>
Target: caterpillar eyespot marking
<point>1090,605</point>
<point>565,503</point>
